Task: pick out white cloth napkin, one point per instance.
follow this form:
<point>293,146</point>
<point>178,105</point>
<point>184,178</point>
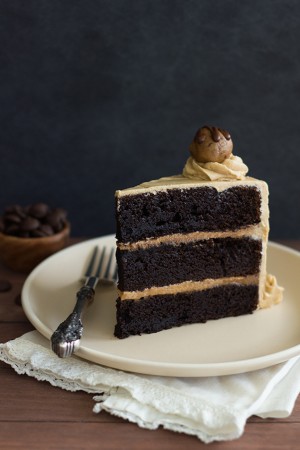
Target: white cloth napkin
<point>212,408</point>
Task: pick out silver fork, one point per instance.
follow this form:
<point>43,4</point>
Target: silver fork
<point>66,339</point>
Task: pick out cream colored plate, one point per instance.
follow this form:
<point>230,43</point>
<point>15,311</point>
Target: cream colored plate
<point>221,347</point>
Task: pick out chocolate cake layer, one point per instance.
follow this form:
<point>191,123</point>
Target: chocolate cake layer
<point>154,314</point>
<point>186,210</point>
<point>169,264</point>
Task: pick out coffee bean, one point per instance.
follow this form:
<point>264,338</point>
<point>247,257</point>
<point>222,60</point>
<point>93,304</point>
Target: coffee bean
<point>47,229</point>
<point>23,234</point>
<point>18,300</point>
<point>10,209</point>
<point>29,224</point>
<point>62,213</point>
<point>5,286</point>
<point>15,209</point>
<point>53,219</point>
<point>12,218</point>
<point>38,210</point>
<point>58,227</point>
<point>12,229</point>
<point>20,211</point>
<point>37,233</point>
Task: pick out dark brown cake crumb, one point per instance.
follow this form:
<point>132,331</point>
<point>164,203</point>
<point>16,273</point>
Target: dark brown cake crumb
<point>209,258</point>
<point>177,211</point>
<point>162,312</point>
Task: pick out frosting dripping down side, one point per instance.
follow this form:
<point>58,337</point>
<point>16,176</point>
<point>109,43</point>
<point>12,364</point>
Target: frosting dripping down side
<point>272,294</point>
<point>232,168</point>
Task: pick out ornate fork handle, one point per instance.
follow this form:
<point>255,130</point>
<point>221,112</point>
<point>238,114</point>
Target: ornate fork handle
<point>65,340</point>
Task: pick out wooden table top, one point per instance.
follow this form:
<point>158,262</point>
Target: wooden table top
<point>35,415</point>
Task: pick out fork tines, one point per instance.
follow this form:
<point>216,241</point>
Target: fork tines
<point>105,269</point>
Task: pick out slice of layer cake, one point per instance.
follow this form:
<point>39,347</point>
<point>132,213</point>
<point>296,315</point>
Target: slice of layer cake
<point>192,247</point>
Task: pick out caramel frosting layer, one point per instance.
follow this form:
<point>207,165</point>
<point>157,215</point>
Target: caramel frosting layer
<point>181,182</point>
<point>272,294</point>
<point>231,168</point>
<point>187,286</point>
<point>256,232</point>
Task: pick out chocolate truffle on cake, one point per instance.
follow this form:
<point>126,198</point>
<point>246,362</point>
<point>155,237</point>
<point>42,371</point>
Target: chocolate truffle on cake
<point>192,247</point>
<point>211,144</point>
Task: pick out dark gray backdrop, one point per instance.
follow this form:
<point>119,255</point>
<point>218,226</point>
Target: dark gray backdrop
<point>97,95</point>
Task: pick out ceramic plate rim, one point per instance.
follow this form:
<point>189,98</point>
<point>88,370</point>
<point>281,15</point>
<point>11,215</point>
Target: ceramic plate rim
<point>157,367</point>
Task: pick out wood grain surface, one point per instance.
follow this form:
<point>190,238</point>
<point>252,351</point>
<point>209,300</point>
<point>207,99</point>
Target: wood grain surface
<point>35,415</point>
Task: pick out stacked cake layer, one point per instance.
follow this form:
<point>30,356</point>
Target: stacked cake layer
<point>189,252</point>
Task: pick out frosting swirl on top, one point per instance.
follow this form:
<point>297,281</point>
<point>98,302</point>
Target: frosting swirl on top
<point>232,168</point>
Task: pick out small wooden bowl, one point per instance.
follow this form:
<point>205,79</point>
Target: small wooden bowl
<point>23,254</point>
